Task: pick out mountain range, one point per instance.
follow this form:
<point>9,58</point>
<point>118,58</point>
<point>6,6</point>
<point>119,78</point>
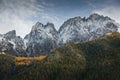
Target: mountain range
<point>43,39</point>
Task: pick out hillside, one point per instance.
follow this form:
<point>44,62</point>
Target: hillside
<point>94,60</point>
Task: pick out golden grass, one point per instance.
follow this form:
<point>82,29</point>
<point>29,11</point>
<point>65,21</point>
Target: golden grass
<point>27,60</point>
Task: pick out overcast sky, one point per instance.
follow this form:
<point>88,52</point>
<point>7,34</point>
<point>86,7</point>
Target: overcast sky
<point>21,15</point>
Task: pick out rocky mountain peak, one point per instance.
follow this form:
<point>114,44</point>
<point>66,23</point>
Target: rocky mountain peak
<point>71,21</point>
<point>50,28</point>
<point>40,31</point>
<point>12,44</point>
<point>37,26</point>
<point>84,29</point>
<point>41,39</point>
<point>10,35</point>
<point>49,24</point>
<point>96,16</point>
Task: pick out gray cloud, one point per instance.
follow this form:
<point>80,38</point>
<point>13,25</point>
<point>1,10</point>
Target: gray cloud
<point>21,15</point>
<point>111,11</point>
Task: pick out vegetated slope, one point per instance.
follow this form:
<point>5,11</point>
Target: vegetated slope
<point>95,60</point>
<point>6,66</point>
<point>103,58</point>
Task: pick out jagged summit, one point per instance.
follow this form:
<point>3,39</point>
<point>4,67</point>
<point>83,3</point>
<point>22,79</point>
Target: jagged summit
<point>96,16</point>
<point>12,44</point>
<point>37,26</point>
<point>42,31</point>
<point>10,35</point>
<point>78,20</point>
<point>84,29</point>
<point>49,24</point>
<point>70,22</point>
<point>41,39</point>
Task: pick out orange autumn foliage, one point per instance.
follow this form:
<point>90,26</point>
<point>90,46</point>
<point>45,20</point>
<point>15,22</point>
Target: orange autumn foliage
<point>27,60</point>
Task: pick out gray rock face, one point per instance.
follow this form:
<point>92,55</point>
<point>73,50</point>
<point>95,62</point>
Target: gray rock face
<point>12,44</point>
<point>10,35</point>
<point>41,39</point>
<point>44,38</point>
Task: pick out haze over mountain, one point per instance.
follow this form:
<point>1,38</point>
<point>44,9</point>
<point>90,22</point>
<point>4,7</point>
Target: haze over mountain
<point>45,38</point>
